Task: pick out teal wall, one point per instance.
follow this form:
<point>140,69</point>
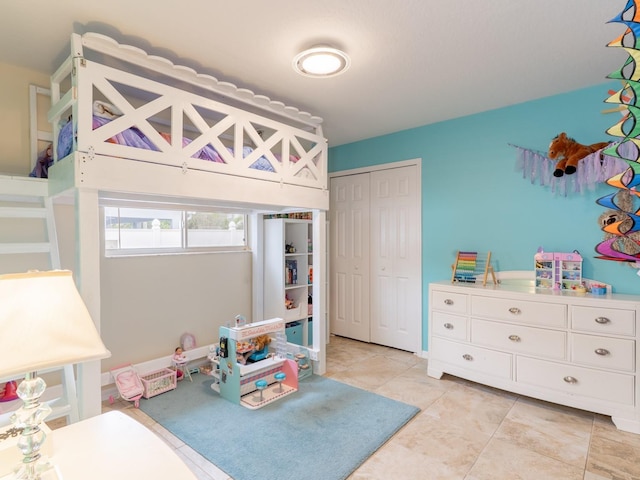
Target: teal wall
<point>474,198</point>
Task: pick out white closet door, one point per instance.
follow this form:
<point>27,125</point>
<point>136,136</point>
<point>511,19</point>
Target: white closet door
<point>349,226</point>
<point>396,291</point>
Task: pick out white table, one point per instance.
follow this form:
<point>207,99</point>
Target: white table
<point>113,446</point>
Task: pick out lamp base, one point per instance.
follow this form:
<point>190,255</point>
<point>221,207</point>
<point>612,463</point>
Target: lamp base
<point>10,454</point>
<point>29,418</point>
<point>41,471</point>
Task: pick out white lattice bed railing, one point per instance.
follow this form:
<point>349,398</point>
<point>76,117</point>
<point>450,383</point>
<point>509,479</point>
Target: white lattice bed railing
<point>179,125</point>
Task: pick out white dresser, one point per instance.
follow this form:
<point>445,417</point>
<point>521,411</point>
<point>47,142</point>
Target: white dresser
<point>572,349</point>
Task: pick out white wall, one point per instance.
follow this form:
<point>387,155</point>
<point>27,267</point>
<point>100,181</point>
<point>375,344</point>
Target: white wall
<point>14,118</point>
<point>149,302</point>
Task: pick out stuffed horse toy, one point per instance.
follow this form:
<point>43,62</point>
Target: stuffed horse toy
<point>570,153</point>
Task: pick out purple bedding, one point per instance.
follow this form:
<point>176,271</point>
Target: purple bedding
<point>133,137</point>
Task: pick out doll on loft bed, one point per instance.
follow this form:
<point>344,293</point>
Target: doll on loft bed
<point>45,160</point>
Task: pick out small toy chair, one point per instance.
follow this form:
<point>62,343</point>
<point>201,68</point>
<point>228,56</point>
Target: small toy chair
<point>261,385</point>
<point>280,377</point>
<point>182,366</point>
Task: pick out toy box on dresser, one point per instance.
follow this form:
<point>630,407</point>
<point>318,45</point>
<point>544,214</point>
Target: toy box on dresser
<point>560,271</point>
<point>562,346</point>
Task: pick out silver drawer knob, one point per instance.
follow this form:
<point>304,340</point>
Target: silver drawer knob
<point>468,357</point>
<point>448,326</point>
<point>602,351</point>
<point>602,320</point>
<point>514,338</point>
<point>448,301</point>
<point>515,310</point>
<point>570,379</point>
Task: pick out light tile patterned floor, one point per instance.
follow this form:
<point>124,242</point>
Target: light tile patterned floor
<point>464,431</point>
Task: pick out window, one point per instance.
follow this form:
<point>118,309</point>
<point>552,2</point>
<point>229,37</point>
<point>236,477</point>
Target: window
<point>151,230</point>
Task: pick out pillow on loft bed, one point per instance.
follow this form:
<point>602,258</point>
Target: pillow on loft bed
<point>65,140</point>
<point>260,164</point>
<point>131,137</point>
<point>106,110</point>
<point>101,110</point>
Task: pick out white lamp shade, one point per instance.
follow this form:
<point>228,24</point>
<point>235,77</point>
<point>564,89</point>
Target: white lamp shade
<point>44,324</point>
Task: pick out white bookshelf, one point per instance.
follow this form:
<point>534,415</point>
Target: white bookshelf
<point>288,261</point>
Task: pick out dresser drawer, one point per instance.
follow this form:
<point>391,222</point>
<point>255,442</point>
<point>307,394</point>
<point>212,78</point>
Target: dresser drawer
<point>603,352</point>
<point>574,380</point>
<point>449,326</point>
<point>540,342</point>
<point>521,311</point>
<point>449,302</point>
<point>469,357</point>
<point>603,320</point>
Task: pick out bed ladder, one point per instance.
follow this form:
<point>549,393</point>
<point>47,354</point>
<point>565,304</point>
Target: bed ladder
<point>28,201</point>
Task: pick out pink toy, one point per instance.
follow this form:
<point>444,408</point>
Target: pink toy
<point>128,384</point>
<point>558,271</point>
<point>9,392</point>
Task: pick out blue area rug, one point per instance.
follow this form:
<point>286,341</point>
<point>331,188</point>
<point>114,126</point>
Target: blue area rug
<point>325,430</point>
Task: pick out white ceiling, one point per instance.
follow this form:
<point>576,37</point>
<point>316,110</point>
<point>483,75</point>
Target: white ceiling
<point>414,62</point>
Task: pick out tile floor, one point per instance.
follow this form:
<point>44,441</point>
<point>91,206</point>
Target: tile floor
<point>464,430</point>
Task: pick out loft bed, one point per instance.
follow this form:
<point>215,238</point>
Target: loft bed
<point>152,127</point>
<point>131,126</point>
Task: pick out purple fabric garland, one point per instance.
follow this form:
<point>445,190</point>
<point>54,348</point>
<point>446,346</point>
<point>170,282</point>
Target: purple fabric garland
<point>592,169</point>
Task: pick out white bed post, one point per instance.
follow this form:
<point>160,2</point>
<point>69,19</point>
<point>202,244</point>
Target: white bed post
<point>87,220</point>
<point>319,290</point>
<point>256,235</point>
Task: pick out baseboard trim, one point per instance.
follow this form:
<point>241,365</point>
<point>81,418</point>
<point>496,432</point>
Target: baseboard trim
<point>196,358</point>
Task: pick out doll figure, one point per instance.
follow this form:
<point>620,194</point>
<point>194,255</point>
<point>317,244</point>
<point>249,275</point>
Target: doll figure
<point>179,360</point>
<point>179,356</point>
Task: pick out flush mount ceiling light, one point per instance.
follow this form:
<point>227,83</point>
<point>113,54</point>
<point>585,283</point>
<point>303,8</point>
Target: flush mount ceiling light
<point>321,62</point>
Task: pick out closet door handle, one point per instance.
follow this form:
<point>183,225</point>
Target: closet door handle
<point>570,379</point>
<point>602,320</point>
<point>514,338</point>
<point>467,357</point>
<point>602,351</point>
<point>448,326</point>
<point>448,301</point>
<point>515,310</point>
